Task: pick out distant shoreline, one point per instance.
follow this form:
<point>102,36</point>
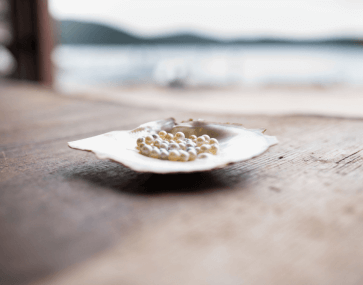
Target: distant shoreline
<point>88,33</point>
<point>171,44</point>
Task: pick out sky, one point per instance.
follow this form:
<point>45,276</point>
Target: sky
<point>221,18</point>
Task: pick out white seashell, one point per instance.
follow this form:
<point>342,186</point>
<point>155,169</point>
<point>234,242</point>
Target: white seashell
<point>235,144</point>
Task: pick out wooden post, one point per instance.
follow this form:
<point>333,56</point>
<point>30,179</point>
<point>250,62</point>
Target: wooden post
<point>32,40</point>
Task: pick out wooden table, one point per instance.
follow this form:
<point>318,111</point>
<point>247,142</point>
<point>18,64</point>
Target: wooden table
<point>293,215</point>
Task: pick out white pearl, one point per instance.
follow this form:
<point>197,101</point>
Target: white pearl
<point>164,154</point>
<point>157,143</point>
<point>192,154</point>
<point>173,146</point>
<point>164,146</point>
<point>190,148</point>
<point>141,145</point>
<point>155,136</point>
<point>193,137</point>
<point>149,139</point>
<point>204,155</point>
<point>213,141</point>
<point>169,137</point>
<point>198,150</point>
<point>207,138</point>
<point>200,141</point>
<point>162,134</point>
<point>179,136</point>
<point>190,145</point>
<point>214,148</point>
<point>140,140</point>
<point>182,146</point>
<point>155,153</point>
<point>174,155</point>
<point>205,148</point>
<point>184,156</point>
<point>146,149</point>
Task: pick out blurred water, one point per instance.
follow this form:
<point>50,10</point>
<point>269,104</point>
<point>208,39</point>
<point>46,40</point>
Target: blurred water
<point>209,65</point>
<point>7,62</point>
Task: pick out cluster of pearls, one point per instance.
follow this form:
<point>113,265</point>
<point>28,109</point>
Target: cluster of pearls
<point>176,147</point>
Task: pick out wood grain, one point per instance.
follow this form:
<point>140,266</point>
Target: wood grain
<point>294,215</point>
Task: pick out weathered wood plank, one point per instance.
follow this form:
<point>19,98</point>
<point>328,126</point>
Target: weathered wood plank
<point>291,216</point>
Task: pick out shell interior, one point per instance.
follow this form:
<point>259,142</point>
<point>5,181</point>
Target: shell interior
<point>235,142</point>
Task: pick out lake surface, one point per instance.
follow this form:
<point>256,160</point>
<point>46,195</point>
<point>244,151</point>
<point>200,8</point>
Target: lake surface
<point>217,65</point>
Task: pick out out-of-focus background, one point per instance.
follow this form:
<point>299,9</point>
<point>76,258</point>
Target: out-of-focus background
<point>208,43</point>
<point>197,44</point>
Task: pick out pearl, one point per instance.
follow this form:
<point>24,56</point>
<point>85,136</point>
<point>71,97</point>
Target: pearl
<point>207,138</point>
<point>140,140</point>
<point>149,139</point>
<point>214,148</point>
<point>184,156</point>
<point>164,154</point>
<point>205,148</point>
<point>155,153</point>
<point>190,144</point>
<point>163,146</point>
<point>200,141</point>
<point>182,146</point>
<point>140,145</point>
<point>157,143</point>
<point>192,154</point>
<point>179,136</point>
<point>146,149</point>
<point>162,134</point>
<point>169,137</point>
<point>173,146</point>
<point>174,155</point>
<point>166,146</point>
<point>213,141</point>
<point>204,155</point>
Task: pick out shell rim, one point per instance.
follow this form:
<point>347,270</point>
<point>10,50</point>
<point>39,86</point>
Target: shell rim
<point>99,155</point>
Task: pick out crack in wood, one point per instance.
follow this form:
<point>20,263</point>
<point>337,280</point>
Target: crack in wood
<point>348,156</point>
